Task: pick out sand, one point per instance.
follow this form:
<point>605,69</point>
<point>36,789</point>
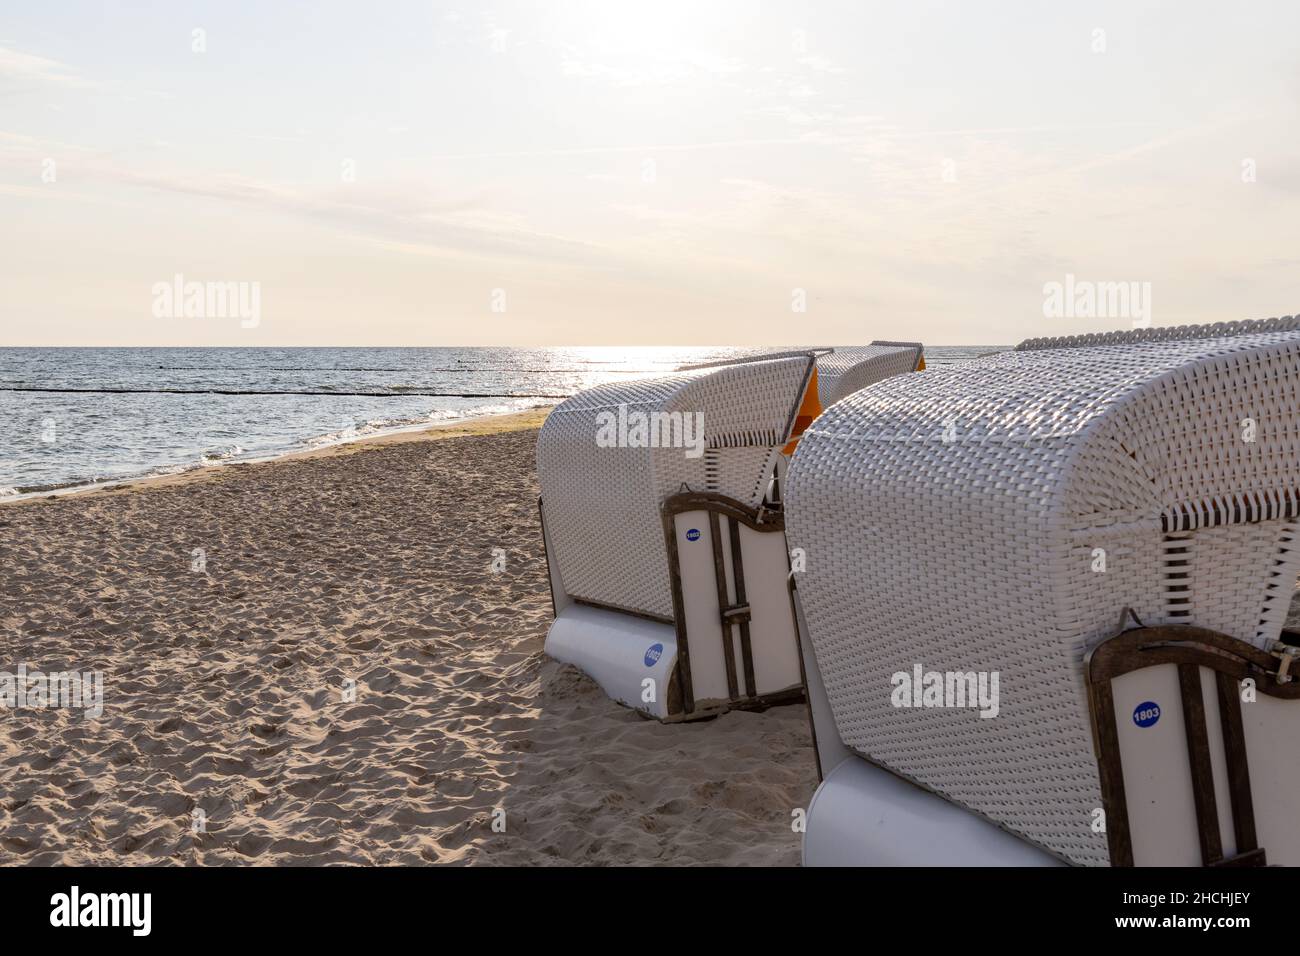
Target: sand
<point>225,689</point>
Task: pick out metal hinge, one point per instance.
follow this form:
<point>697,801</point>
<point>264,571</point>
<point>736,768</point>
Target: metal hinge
<point>1287,654</point>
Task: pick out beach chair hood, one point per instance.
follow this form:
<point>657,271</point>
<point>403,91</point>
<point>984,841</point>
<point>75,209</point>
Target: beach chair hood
<point>846,369</point>
<point>603,500</point>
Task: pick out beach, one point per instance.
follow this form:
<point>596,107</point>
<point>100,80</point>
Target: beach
<point>336,658</point>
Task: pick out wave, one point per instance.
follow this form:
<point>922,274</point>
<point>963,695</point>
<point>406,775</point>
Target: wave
<point>214,457</point>
<point>238,391</point>
<point>377,426</point>
<point>459,370</point>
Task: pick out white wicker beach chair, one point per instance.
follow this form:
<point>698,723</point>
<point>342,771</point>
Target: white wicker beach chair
<point>668,564</point>
<point>844,371</point>
<point>995,519</point>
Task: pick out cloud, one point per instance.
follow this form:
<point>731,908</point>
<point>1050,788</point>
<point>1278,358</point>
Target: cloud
<point>641,70</point>
<point>19,71</point>
<point>820,64</point>
<point>651,74</point>
<point>635,148</point>
<point>403,214</point>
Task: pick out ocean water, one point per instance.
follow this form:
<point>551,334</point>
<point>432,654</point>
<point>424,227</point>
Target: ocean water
<point>76,417</point>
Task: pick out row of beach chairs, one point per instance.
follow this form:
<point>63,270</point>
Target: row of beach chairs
<point>1035,602</point>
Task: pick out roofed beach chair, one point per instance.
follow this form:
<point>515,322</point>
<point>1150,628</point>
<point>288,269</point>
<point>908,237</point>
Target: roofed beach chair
<point>1043,608</point>
<point>845,370</point>
<point>664,534</point>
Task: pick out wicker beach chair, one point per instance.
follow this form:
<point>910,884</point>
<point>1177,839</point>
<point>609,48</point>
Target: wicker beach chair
<point>1044,599</point>
<point>667,559</point>
<point>843,371</point>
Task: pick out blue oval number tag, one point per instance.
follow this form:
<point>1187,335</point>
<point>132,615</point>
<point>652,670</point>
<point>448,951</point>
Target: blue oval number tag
<point>1146,713</point>
<point>693,534</point>
<point>652,654</point>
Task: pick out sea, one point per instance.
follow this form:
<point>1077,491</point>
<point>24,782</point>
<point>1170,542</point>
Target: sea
<point>76,418</point>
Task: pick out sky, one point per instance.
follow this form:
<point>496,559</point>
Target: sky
<point>710,172</point>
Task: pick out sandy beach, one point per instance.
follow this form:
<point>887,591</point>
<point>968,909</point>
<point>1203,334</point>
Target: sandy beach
<point>232,610</point>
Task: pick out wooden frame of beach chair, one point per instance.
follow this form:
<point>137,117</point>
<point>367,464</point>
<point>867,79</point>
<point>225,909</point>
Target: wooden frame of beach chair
<point>1013,505</point>
<point>1230,663</point>
<point>627,594</point>
<point>744,670</point>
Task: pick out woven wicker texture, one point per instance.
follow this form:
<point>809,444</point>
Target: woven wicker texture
<point>602,503</point>
<point>1164,334</point>
<point>846,369</point>
<point>953,519</point>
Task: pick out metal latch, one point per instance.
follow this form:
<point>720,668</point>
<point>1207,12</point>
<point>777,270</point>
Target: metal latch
<point>1287,654</point>
<point>740,612</point>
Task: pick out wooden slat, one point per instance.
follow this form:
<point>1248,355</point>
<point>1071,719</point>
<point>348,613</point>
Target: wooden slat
<point>1254,857</point>
<point>1234,752</point>
<point>683,669</point>
<point>738,573</point>
<point>1198,755</point>
<point>1111,772</point>
<point>720,574</point>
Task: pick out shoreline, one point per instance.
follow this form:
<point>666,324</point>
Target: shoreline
<point>435,431</point>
